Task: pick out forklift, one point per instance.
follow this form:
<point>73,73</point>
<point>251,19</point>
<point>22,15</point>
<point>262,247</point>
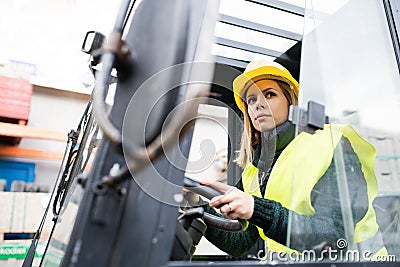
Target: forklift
<point>122,205</point>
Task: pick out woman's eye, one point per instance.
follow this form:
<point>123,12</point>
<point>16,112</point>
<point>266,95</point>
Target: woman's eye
<point>269,94</point>
<point>251,100</point>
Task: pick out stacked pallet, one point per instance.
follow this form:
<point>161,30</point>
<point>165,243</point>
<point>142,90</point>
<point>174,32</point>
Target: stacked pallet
<point>21,216</point>
<point>15,101</point>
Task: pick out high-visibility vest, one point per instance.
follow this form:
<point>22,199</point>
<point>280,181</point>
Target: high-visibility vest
<point>295,169</point>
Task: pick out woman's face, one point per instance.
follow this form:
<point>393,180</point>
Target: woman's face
<point>267,105</point>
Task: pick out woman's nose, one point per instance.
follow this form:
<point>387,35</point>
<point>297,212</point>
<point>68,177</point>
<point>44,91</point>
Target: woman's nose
<point>260,102</point>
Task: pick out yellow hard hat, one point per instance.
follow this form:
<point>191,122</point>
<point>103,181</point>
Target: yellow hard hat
<point>262,68</point>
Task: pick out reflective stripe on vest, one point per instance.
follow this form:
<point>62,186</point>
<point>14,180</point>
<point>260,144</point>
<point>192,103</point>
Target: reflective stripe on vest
<point>294,169</point>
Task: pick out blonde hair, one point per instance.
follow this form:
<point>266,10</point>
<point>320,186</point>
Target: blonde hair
<point>250,136</point>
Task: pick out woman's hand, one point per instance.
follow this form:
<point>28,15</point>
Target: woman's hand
<point>234,203</point>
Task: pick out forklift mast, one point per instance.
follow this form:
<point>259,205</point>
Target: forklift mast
<point>132,221</point>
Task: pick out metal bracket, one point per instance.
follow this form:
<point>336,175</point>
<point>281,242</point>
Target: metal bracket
<point>308,120</point>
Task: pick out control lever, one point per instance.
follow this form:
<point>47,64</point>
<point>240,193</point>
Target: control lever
<point>187,216</point>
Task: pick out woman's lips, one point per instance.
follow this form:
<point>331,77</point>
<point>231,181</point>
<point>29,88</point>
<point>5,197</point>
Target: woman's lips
<point>261,116</point>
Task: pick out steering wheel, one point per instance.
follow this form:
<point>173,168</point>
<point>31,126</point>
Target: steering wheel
<point>210,219</point>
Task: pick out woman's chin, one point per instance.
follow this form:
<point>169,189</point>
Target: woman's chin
<point>264,127</point>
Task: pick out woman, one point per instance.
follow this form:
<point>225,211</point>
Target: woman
<point>293,177</point>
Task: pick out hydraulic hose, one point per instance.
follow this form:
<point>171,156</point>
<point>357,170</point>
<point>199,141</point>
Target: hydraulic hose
<point>102,78</point>
<point>100,91</point>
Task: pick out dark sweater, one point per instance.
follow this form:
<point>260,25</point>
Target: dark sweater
<point>307,232</point>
